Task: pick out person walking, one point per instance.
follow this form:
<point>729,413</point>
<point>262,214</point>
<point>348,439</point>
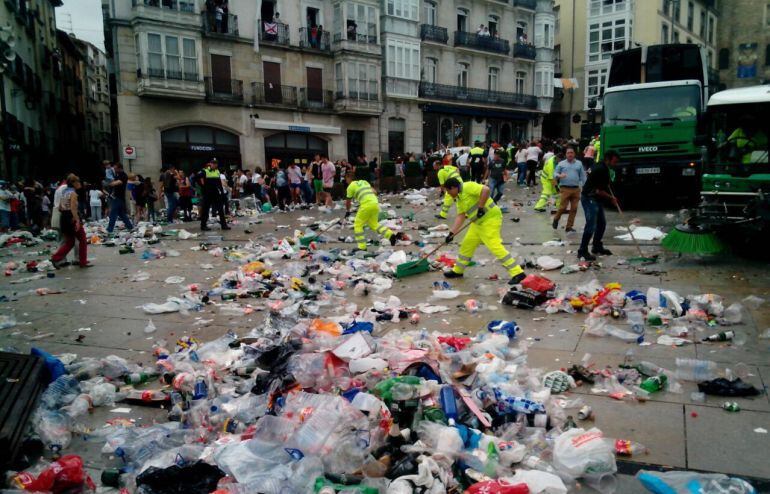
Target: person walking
<point>185,195</point>
<point>318,184</point>
<point>56,214</point>
<point>150,196</point>
<point>368,211</point>
<point>71,226</point>
<point>533,158</point>
<point>497,175</point>
<point>95,202</point>
<point>170,190</point>
<point>140,198</point>
<point>118,200</point>
<point>597,192</point>
<point>478,162</point>
<point>570,176</point>
<point>588,156</point>
<point>213,193</point>
<point>548,183</point>
<point>521,166</point>
<point>282,188</point>
<point>328,174</point>
<point>474,203</point>
<point>295,182</point>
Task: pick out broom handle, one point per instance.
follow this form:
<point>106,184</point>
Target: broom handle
<point>333,223</point>
<point>628,227</point>
<point>443,244</point>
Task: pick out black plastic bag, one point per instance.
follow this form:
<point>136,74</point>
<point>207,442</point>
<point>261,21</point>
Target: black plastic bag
<point>199,477</point>
<point>724,387</point>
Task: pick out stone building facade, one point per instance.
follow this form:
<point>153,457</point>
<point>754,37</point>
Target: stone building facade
<point>743,56</point>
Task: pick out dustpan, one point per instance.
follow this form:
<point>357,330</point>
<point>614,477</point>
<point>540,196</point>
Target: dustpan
<point>305,241</point>
<point>421,265</point>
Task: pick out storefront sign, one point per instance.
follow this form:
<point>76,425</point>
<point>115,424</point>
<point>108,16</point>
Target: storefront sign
<point>292,127</point>
<point>198,147</point>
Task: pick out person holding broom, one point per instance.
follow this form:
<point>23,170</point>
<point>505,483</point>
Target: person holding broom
<point>474,203</point>
<point>597,192</point>
<point>368,212</point>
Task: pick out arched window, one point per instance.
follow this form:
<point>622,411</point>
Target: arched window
<point>724,58</point>
<point>494,24</point>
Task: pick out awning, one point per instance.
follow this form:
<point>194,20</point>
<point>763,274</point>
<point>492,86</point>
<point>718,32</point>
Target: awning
<point>566,83</point>
<point>478,112</point>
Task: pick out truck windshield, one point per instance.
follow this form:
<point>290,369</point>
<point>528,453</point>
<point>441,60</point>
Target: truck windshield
<point>739,133</point>
<point>661,104</point>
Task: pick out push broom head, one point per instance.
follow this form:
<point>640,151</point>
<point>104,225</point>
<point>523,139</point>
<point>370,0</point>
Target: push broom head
<point>692,239</point>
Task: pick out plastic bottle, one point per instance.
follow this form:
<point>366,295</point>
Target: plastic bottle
<point>721,336</point>
<point>80,406</point>
<point>625,447</point>
<point>655,383</point>
<point>60,391</point>
<point>731,406</point>
<point>139,377</point>
<point>650,369</point>
<point>688,369</point>
<point>636,321</point>
<point>623,334</point>
<point>510,404</point>
<point>54,430</point>
<point>201,389</point>
<point>449,404</point>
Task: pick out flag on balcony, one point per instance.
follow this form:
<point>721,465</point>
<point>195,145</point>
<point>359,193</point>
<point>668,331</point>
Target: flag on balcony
<point>566,83</point>
<point>271,28</point>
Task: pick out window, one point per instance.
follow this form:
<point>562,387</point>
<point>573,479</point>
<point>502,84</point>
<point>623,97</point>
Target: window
<point>362,80</point>
<point>595,81</point>
<point>667,7</point>
<point>403,59</point>
<point>429,68</point>
<point>462,20</point>
<point>702,28</point>
<point>493,78</point>
<point>712,24</point>
<point>396,132</point>
<point>690,15</point>
<point>429,13</point>
<point>543,34</point>
<point>544,83</point>
<point>403,8</point>
<point>521,30</point>
<point>362,18</point>
<point>521,79</point>
<point>604,7</point>
<point>605,39</point>
<point>724,59</point>
<point>138,49</point>
<point>462,74</point>
<point>190,59</point>
<point>339,79</point>
<point>155,55</point>
<point>675,38</point>
<point>173,68</point>
<point>664,33</point>
<point>493,22</point>
<point>676,10</point>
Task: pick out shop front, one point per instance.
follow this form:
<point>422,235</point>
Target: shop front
<point>189,148</point>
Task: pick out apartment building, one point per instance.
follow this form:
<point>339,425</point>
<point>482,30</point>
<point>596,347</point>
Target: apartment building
<point>250,83</point>
<point>591,31</point>
<point>30,73</point>
<point>96,92</point>
<point>743,56</point>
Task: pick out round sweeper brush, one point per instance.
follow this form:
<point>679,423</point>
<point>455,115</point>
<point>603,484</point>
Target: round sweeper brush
<point>692,239</point>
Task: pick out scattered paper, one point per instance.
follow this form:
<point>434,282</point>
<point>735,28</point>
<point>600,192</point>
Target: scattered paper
<point>121,410</point>
<point>760,430</point>
<point>642,233</point>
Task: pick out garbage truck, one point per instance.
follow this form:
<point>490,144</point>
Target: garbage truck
<point>735,193</point>
<point>652,110</point>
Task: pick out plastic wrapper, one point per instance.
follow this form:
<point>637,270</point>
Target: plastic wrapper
<point>677,482</point>
<point>581,453</point>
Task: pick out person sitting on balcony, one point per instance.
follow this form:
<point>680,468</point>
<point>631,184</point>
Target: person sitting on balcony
<point>485,32</point>
<point>480,30</point>
<point>313,36</point>
<point>219,13</point>
<point>352,27</point>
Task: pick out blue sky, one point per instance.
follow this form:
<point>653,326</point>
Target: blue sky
<point>84,18</point>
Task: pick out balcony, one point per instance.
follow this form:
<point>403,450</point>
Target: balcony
<point>169,84</point>
<point>227,26</point>
<point>521,50</point>
<point>224,91</point>
<point>525,4</point>
<point>167,11</point>
<point>401,88</point>
<point>429,32</point>
<point>482,43</point>
<point>273,94</point>
<point>274,32</point>
<point>357,103</point>
<point>364,39</point>
<point>315,99</point>
<point>429,90</point>
<point>313,39</point>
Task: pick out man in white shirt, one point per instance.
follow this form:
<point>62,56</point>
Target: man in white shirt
<point>533,158</point>
<point>462,164</point>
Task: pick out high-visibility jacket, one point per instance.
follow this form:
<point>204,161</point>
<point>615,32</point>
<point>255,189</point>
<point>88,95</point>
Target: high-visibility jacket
<point>598,149</point>
<point>362,192</point>
<point>468,202</point>
<point>747,145</point>
<point>546,174</point>
<point>447,172</point>
<point>477,151</point>
<point>212,181</point>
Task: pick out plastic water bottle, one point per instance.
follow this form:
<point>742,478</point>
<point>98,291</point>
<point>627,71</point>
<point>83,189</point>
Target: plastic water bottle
<point>201,389</point>
<point>689,369</point>
<point>650,369</point>
<point>449,404</point>
<point>509,404</point>
<point>58,392</point>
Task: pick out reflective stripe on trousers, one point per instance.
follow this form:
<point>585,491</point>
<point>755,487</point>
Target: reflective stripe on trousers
<point>487,233</point>
<point>368,215</point>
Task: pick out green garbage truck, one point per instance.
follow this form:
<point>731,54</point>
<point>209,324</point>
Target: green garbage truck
<point>652,109</point>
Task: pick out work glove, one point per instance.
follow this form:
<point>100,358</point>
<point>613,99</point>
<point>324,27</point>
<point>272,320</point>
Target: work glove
<point>481,212</point>
<point>438,216</point>
<point>449,238</point>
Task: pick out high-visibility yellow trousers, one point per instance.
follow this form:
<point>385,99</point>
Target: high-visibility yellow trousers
<point>368,215</point>
<point>549,191</point>
<point>487,231</point>
<point>446,205</point>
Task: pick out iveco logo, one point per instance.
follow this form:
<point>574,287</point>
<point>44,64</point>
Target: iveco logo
<point>648,149</point>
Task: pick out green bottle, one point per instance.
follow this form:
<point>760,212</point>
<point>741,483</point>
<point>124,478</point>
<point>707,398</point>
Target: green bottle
<point>654,383</point>
<point>493,458</point>
<point>383,388</point>
<point>138,378</point>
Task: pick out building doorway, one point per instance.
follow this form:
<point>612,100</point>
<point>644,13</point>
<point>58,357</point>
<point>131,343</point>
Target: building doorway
<point>189,148</point>
<point>287,147</point>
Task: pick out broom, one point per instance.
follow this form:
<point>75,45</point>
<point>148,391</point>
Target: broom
<point>692,239</point>
<point>305,241</point>
<point>421,265</point>
<point>642,258</point>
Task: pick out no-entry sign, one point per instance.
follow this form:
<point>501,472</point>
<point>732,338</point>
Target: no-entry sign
<point>129,152</point>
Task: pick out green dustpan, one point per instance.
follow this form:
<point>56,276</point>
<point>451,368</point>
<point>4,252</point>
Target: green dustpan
<point>305,241</point>
<point>421,265</point>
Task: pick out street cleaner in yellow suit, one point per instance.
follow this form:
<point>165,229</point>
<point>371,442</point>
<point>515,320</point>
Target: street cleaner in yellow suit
<point>474,203</point>
<point>368,212</point>
<point>549,185</point>
<point>444,174</point>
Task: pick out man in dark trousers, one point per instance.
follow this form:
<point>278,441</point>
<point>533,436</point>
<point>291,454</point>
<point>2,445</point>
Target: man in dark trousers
<point>597,192</point>
<point>213,194</point>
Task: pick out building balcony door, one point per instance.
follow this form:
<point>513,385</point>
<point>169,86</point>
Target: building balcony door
<point>272,74</point>
<point>220,74</point>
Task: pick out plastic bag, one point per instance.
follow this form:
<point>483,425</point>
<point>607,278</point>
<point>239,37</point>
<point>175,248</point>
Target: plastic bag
<point>150,328</point>
<point>582,453</point>
<point>547,263</point>
<point>678,482</point>
<point>497,487</point>
<point>60,476</point>
<point>539,482</point>
<point>196,477</point>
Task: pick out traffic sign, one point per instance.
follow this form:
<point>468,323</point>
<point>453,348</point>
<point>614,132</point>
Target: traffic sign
<point>129,152</point>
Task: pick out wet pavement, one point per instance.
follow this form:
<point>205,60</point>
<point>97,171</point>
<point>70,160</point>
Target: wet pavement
<point>99,315</point>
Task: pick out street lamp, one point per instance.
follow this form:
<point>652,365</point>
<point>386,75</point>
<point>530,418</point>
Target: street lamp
<point>7,56</point>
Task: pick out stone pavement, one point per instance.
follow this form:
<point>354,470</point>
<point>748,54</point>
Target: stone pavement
<point>99,315</point>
